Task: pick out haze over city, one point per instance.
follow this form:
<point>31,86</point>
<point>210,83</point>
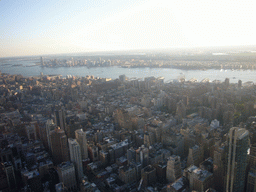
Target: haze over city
<point>53,27</point>
<point>127,96</point>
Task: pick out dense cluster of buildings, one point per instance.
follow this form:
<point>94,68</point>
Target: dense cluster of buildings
<point>198,61</point>
<point>96,134</point>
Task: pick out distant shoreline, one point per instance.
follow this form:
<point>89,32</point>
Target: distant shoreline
<point>187,68</point>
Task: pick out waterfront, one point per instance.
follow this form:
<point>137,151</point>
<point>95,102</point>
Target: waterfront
<point>28,68</point>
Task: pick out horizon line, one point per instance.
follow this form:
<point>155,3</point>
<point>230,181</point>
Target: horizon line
<point>138,50</point>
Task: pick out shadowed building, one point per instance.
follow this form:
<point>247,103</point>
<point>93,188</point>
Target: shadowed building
<point>67,176</point>
<point>59,146</point>
<point>194,156</point>
<point>127,174</point>
<point>49,126</point>
<point>173,169</point>
<point>60,118</point>
<point>238,144</point>
<point>148,175</point>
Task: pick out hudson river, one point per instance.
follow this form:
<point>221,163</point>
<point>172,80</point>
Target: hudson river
<point>21,67</point>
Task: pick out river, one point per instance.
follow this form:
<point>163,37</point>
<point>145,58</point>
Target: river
<point>21,67</point>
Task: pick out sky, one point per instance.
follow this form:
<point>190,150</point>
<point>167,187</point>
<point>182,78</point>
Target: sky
<point>37,27</point>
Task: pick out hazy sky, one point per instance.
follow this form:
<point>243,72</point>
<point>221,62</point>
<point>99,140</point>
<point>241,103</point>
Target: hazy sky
<point>36,27</point>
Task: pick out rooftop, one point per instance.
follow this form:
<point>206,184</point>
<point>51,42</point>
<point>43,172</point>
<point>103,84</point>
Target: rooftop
<point>64,165</point>
<point>31,174</point>
<point>192,168</point>
<point>202,174</point>
<point>149,168</point>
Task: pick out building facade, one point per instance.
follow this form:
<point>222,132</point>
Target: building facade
<point>67,176</point>
<point>81,139</point>
<point>238,144</point>
<point>59,146</point>
<point>173,169</point>
<point>75,157</point>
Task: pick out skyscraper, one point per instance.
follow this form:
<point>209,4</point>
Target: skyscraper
<point>59,146</point>
<point>131,155</point>
<point>238,144</point>
<point>251,177</point>
<point>173,169</point>
<point>42,61</point>
<point>180,111</point>
<point>60,118</point>
<point>66,172</point>
<point>49,126</point>
<point>31,131</point>
<point>8,168</point>
<point>194,156</point>
<point>81,139</point>
<point>75,157</point>
<point>219,167</point>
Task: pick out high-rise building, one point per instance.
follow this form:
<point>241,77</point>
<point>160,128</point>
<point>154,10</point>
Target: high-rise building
<point>67,176</point>
<point>127,174</point>
<point>60,118</point>
<point>199,180</point>
<point>253,150</point>
<point>239,83</point>
<point>59,146</point>
<point>149,139</point>
<point>10,175</point>
<point>202,180</point>
<point>104,157</point>
<point>251,176</point>
<point>142,155</point>
<point>138,168</point>
<point>194,156</point>
<point>49,126</point>
<point>161,171</point>
<point>148,175</point>
<point>180,110</point>
<point>42,61</point>
<point>173,169</point>
<point>81,139</point>
<point>31,131</point>
<point>218,167</point>
<point>131,155</point>
<point>3,179</point>
<point>75,157</point>
<point>226,82</point>
<point>122,78</point>
<point>238,144</point>
<point>93,152</point>
<point>251,181</point>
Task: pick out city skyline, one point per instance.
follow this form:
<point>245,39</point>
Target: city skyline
<point>38,28</point>
<point>126,134</point>
<point>128,95</point>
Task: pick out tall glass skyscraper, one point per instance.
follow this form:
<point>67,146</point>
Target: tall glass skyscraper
<point>238,144</point>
